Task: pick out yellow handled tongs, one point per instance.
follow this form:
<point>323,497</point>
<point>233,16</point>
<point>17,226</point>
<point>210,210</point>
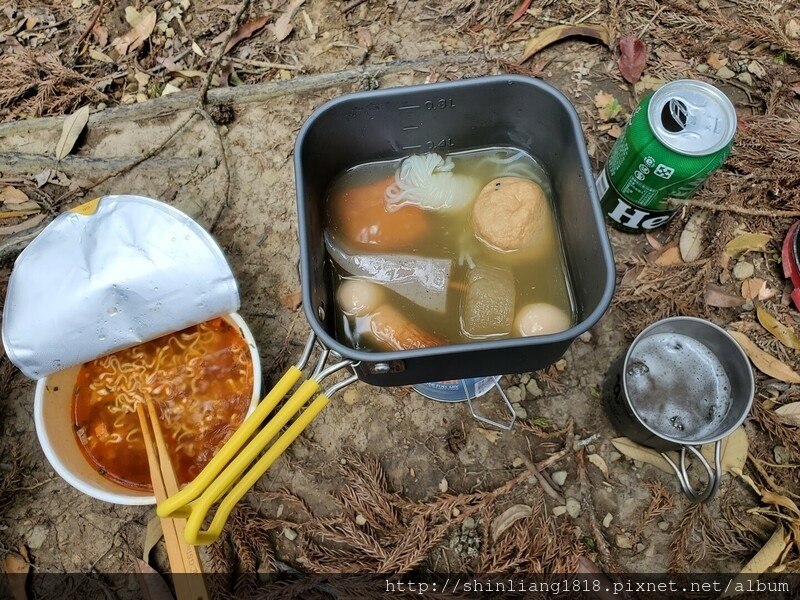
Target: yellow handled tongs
<point>224,478</point>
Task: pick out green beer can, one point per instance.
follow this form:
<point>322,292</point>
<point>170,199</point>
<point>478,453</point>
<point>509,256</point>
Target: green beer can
<point>675,138</point>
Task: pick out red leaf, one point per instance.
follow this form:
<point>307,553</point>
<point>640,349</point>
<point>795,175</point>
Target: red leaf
<point>520,12</point>
<point>632,58</point>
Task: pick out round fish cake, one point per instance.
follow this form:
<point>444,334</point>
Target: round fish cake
<point>510,214</point>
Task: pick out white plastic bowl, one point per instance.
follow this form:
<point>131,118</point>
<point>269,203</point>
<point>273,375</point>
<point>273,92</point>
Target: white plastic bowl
<point>52,416</point>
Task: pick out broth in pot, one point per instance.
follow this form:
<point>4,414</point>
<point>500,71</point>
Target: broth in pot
<point>432,250</point>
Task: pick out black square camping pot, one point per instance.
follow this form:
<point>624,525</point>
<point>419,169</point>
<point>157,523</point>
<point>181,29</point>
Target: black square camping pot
<point>497,111</point>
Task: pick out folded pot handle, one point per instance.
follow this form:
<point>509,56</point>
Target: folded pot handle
<point>714,475</point>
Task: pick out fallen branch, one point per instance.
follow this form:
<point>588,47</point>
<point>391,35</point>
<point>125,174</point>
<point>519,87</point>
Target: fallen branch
<point>18,163</point>
<point>245,94</point>
<point>753,212</point>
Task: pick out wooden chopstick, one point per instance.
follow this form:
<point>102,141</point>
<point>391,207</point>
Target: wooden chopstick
<point>184,559</point>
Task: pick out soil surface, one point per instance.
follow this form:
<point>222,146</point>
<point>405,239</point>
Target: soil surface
<point>622,514</point>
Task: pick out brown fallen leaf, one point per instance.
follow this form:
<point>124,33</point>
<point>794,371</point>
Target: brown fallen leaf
<point>631,277</point>
<point>733,451</point>
<point>784,334</point>
<point>719,297</point>
<point>598,462</point>
<point>765,362</point>
<point>520,12</point>
<point>138,33</point>
<point>73,128</point>
<point>692,237</point>
<point>747,242</point>
<point>151,583</point>
<point>18,566</point>
<point>651,239</point>
<point>11,195</point>
<point>559,32</point>
<point>763,560</point>
<point>715,62</point>
<point>752,288</point>
<point>283,26</point>
<point>644,454</point>
<point>632,58</point>
<point>669,256</point>
<point>244,32</point>
<point>292,300</point>
<point>27,224</point>
<point>152,535</point>
<point>510,516</point>
<point>790,412</point>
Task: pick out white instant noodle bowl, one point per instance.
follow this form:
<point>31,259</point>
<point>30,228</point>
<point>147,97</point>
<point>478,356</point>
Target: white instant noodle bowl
<point>428,181</point>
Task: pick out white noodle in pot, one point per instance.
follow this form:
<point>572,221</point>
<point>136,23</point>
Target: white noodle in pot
<point>428,181</point>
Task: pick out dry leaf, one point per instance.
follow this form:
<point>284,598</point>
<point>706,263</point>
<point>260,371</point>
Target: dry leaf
<point>490,435</point>
<point>100,34</point>
<point>763,560</point>
<point>292,300</point>
<point>244,32</point>
<point>27,224</point>
<point>520,12</point>
<point>790,412</point>
<point>151,583</point>
<point>16,564</point>
<point>648,83</point>
<point>784,334</point>
<point>669,256</point>
<point>715,62</point>
<point>102,57</point>
<point>510,516</point>
<point>198,50</point>
<point>364,38</point>
<point>632,58</point>
<point>691,242</point>
<point>717,296</point>
<point>651,239</point>
<point>43,177</point>
<point>753,288</point>
<point>73,127</point>
<point>631,277</point>
<point>733,452</point>
<point>747,242</point>
<point>644,454</point>
<point>559,32</point>
<point>598,462</point>
<point>138,34</point>
<point>779,500</point>
<point>11,195</point>
<point>607,105</point>
<point>765,362</point>
<point>283,26</point>
<point>153,533</point>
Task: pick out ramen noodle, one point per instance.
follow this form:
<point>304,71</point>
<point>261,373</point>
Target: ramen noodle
<point>200,380</point>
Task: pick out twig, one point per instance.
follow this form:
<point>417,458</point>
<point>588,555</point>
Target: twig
<point>351,5</point>
<point>91,25</point>
<point>218,58</point>
<point>753,212</point>
<point>599,539</point>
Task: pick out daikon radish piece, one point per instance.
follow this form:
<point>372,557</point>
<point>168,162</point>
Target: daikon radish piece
<point>392,330</point>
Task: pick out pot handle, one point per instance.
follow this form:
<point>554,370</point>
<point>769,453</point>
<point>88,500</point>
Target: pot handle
<point>479,417</point>
<point>714,475</point>
<point>226,478</point>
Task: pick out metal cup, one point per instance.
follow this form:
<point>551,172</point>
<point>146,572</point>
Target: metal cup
<point>684,382</point>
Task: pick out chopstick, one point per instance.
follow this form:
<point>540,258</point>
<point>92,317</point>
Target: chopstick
<point>184,559</point>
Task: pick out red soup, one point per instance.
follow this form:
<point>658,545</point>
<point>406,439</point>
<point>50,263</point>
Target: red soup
<point>200,380</point>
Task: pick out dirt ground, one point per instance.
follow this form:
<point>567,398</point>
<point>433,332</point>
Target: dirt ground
<point>447,477</point>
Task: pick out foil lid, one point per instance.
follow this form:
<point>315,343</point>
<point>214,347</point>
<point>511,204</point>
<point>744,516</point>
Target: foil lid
<point>107,275</point>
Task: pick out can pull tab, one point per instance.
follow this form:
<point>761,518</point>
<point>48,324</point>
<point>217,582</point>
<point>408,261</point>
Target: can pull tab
<point>675,116</point>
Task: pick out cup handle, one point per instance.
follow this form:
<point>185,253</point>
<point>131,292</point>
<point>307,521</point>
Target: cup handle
<point>714,475</point>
